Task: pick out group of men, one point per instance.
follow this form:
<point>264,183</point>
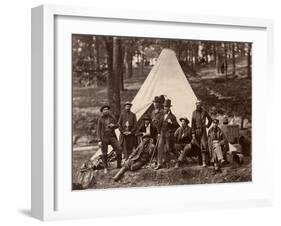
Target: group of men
<point>160,138</point>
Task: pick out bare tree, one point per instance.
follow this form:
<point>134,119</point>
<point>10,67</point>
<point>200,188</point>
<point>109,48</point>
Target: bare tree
<point>249,57</point>
<point>117,70</point>
<point>233,59</point>
<point>128,58</point>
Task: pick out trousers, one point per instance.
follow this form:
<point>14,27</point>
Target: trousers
<point>111,140</point>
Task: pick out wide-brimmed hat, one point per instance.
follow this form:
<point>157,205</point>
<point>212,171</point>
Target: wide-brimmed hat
<point>128,103</point>
<point>213,109</point>
<point>146,117</point>
<point>157,100</point>
<point>167,103</point>
<point>225,119</point>
<point>215,120</point>
<point>104,106</point>
<point>184,119</point>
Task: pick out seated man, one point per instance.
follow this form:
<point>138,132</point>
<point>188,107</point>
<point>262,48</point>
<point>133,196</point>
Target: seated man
<point>185,145</point>
<point>141,155</point>
<point>216,139</point>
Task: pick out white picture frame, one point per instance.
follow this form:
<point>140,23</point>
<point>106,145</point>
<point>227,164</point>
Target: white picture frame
<point>47,166</point>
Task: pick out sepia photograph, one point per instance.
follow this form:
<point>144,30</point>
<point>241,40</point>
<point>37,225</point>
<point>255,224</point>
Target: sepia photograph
<point>152,112</point>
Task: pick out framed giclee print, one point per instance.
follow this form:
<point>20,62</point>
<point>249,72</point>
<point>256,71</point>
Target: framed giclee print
<point>150,112</point>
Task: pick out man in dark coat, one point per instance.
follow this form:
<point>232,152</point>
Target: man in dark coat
<point>127,126</point>
<point>141,155</point>
<point>106,136</point>
<point>167,125</point>
<point>199,133</point>
<point>157,113</point>
<point>184,143</point>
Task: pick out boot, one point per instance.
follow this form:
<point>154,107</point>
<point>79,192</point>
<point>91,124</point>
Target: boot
<point>119,161</point>
<point>119,174</point>
<point>104,161</point>
<point>204,160</point>
<point>177,165</point>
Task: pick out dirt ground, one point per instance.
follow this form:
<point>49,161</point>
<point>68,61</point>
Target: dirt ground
<point>188,174</point>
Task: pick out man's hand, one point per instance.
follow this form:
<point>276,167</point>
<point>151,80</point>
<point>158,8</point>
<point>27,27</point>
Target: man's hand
<point>193,140</point>
<point>100,144</point>
<point>170,121</point>
<point>111,125</point>
<point>127,133</point>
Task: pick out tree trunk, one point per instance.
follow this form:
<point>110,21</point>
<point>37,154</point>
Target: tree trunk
<point>218,58</point>
<point>116,72</point>
<point>249,56</point>
<point>110,78</point>
<point>186,55</point>
<point>97,55</point>
<point>192,63</point>
<point>225,59</point>
<point>196,48</point>
<point>142,63</point>
<point>215,54</point>
<point>233,59</point>
<point>121,64</point>
<point>128,62</point>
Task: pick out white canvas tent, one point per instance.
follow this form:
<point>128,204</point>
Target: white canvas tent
<point>166,78</point>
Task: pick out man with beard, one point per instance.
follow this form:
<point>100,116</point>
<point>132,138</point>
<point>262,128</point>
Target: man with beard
<point>167,126</point>
<point>127,126</point>
<point>199,133</point>
<point>184,143</point>
<point>106,136</point>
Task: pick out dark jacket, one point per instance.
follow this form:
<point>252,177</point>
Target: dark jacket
<point>198,121</point>
<point>167,127</point>
<point>156,116</point>
<point>142,152</point>
<point>183,135</point>
<point>216,135</point>
<point>129,117</point>
<point>103,129</point>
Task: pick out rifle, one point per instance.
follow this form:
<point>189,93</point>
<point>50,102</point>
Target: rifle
<point>154,150</point>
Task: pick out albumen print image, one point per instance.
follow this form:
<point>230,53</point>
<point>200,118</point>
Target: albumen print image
<point>152,112</point>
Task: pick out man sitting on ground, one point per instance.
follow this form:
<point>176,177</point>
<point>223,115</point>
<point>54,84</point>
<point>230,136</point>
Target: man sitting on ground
<point>184,143</point>
<point>141,155</point>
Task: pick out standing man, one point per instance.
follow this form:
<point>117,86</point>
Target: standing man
<point>199,133</point>
<point>106,136</point>
<point>225,146</point>
<point>127,126</point>
<point>157,113</point>
<point>168,125</point>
